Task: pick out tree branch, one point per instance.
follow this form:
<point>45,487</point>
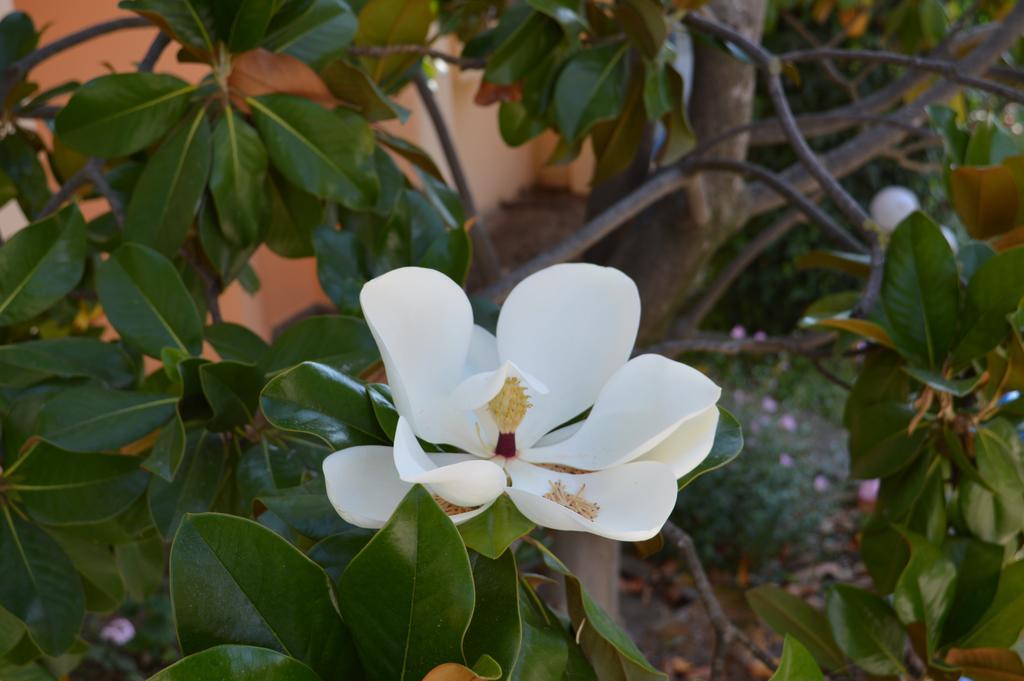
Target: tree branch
<point>156,48</point>
<point>946,68</point>
<point>810,345</point>
<point>483,245</point>
<point>726,633</point>
<point>421,50</point>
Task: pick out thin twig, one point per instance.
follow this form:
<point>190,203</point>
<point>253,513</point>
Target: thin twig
<point>810,345</point>
<point>726,633</point>
<point>99,181</point>
<point>827,65</point>
<point>421,50</point>
<point>818,364</point>
<point>483,246</point>
<point>944,67</point>
<point>156,48</point>
<point>78,180</point>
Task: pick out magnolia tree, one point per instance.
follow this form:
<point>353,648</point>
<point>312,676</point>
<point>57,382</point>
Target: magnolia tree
<point>327,519</point>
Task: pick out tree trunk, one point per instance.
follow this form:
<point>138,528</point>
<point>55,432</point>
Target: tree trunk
<point>595,560</point>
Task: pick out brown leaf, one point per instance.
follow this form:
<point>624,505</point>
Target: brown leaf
<point>985,198</point>
<point>988,664</point>
<point>261,72</point>
<point>1008,240</point>
<point>450,671</point>
<point>489,93</point>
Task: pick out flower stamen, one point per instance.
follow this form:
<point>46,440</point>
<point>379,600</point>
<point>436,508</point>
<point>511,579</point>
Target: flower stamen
<point>509,408</point>
<point>574,502</point>
<point>452,509</point>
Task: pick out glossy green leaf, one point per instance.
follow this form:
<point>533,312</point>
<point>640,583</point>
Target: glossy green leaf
<point>24,364</point>
<point>60,487</point>
<point>147,302</point>
<point>236,342</point>
<point>791,617</point>
<point>728,445</point>
<point>993,292</point>
<point>924,592</point>
<point>40,264</point>
<point>19,162</point>
<point>232,389</point>
<point>194,486</point>
<point>496,628</point>
<point>338,267</point>
<point>120,114</point>
<point>307,510</point>
<point>995,516</point>
<point>384,409</point>
<point>237,177</point>
<point>544,653</point>
<point>18,37</point>
<point>334,553</point>
<point>408,596</point>
<point>328,153</point>
<point>141,564</point>
<point>590,88</point>
<point>866,629</point>
<point>316,399</point>
<point>393,22</point>
<point>978,566</point>
<point>314,31</point>
<point>1003,621</point>
<point>250,23</point>
<point>237,663</point>
<point>167,194</point>
<point>39,585</point>
<point>920,290</point>
<point>355,87</point>
<point>229,261</point>
<point>936,381</point>
<point>645,23</point>
<point>234,581</point>
<point>191,22</point>
<point>491,532</point>
<point>342,343</point>
<point>168,449</point>
<point>879,444</point>
<point>101,580</point>
<point>90,418</point>
<point>294,214</point>
<point>797,663</point>
<point>529,38</point>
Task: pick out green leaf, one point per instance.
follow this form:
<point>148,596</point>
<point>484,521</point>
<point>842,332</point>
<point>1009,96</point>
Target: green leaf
<point>529,38</point>
<point>728,445</point>
<point>338,267</point>
<point>342,343</point>
<point>39,586</point>
<point>935,380</point>
<point>90,418</point>
<point>353,85</point>
<point>167,194</point>
<point>496,628</point>
<point>19,162</point>
<point>251,21</point>
<point>590,88</point>
<point>408,596</point>
<point>94,561</point>
<point>316,399</point>
<point>141,564</point>
<point>237,176</point>
<point>194,486</point>
<point>328,153</point>
<point>571,14</point>
<point>1003,621</point>
<point>11,630</point>
<point>24,364</point>
<point>866,629</point>
<point>797,664</point>
<point>879,444</point>
<point>40,264</point>
<point>18,37</point>
<point>232,389</point>
<point>924,592</point>
<point>314,31</point>
<point>491,532</point>
<point>191,22</point>
<point>168,449</point>
<point>645,23</point>
<point>147,302</point>
<point>393,22</point>
<point>993,292</point>
<point>120,114</point>
<point>791,617</point>
<point>334,553</point>
<point>921,291</point>
<point>294,214</point>
<point>234,581</point>
<point>237,663</point>
<point>544,652</point>
<point>307,510</point>
<point>994,517</point>
<point>61,488</point>
<point>236,342</point>
<point>978,566</point>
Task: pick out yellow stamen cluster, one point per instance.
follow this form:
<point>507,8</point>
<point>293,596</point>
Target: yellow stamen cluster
<point>574,502</point>
<point>451,509</point>
<point>510,405</point>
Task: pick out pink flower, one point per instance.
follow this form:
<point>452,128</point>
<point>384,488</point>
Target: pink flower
<point>820,483</point>
<point>769,405</point>
<point>787,423</point>
<point>867,491</point>
<point>760,336</point>
<point>738,332</point>
<point>118,631</point>
<point>786,460</point>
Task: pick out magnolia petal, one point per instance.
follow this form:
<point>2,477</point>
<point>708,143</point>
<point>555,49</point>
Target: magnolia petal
<point>572,326</point>
<point>635,499</point>
<point>461,479</point>
<point>363,485</point>
<point>477,390</point>
<point>483,351</point>
<point>642,404</point>
<point>423,325</point>
<point>688,445</point>
<point>560,435</point>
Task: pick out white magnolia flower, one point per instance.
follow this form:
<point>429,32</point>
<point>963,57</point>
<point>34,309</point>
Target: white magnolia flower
<point>563,343</point>
<point>892,205</point>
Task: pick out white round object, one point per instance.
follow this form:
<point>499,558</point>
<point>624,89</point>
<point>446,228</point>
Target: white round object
<point>950,238</point>
<point>892,205</point>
